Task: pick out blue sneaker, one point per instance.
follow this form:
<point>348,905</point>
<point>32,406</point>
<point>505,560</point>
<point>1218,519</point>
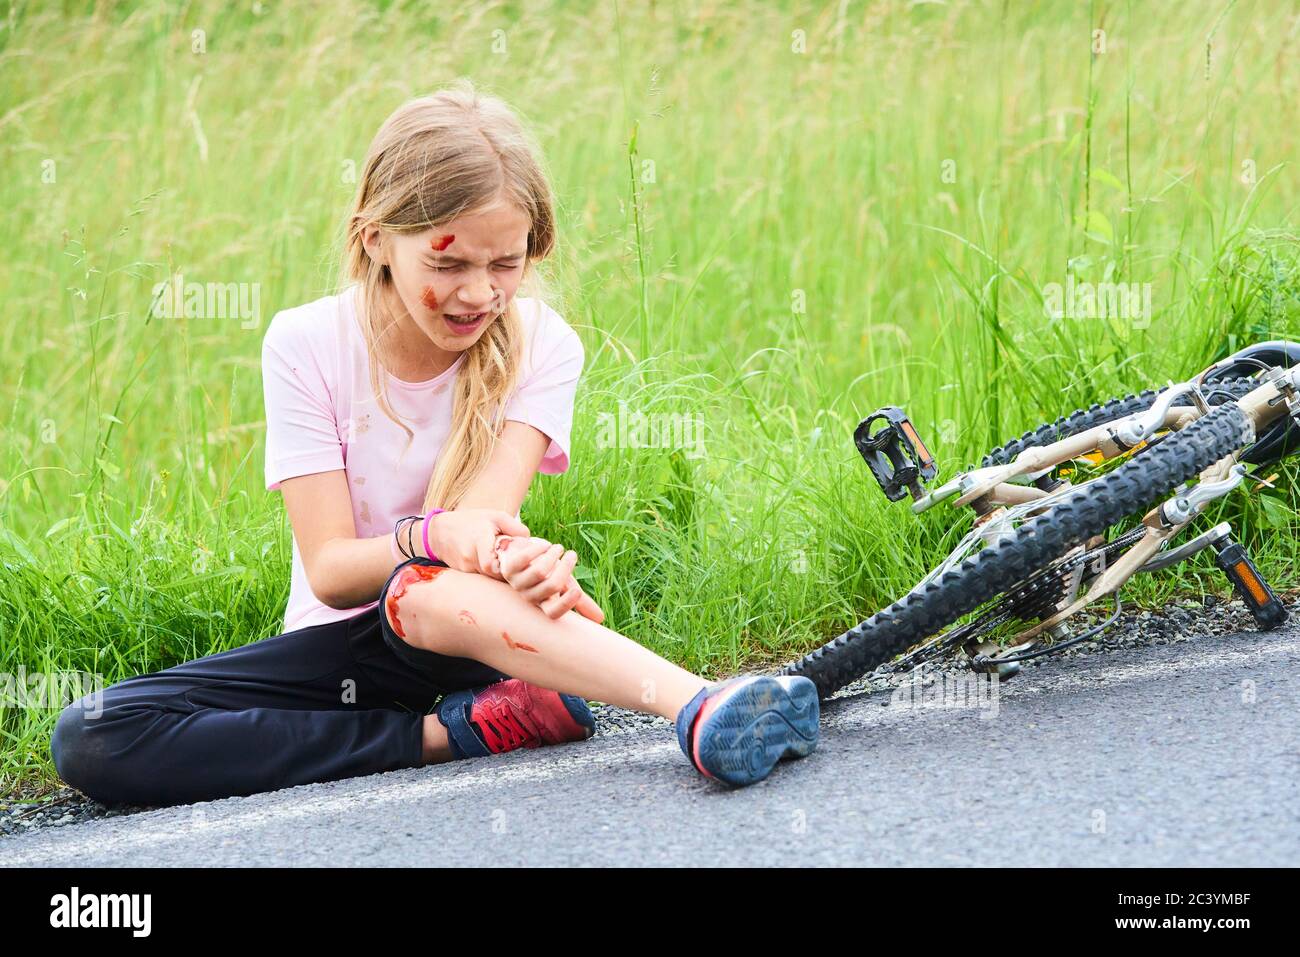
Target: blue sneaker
<point>735,732</point>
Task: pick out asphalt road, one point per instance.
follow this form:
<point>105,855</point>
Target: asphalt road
<point>1184,754</point>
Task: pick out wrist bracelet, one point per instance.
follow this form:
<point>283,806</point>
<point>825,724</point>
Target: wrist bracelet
<point>425,533</point>
<point>400,553</point>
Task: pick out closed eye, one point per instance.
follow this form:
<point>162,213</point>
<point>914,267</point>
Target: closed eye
<point>506,266</point>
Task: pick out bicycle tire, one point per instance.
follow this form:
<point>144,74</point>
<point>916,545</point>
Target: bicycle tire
<point>1087,511</point>
<point>1096,414</point>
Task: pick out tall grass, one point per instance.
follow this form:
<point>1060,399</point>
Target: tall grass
<point>775,217</point>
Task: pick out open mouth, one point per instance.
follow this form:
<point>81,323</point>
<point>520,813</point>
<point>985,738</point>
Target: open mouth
<point>465,323</point>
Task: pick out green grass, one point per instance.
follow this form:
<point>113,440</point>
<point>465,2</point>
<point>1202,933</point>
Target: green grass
<point>871,221</point>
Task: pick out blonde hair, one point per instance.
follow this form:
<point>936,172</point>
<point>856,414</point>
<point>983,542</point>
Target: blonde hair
<point>435,158</point>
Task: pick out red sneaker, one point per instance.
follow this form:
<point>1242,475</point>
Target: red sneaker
<point>511,714</point>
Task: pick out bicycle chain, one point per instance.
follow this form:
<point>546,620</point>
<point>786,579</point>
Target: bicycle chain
<point>1041,592</point>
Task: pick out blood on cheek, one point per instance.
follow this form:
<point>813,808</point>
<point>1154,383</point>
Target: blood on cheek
<point>427,296</point>
<point>397,591</point>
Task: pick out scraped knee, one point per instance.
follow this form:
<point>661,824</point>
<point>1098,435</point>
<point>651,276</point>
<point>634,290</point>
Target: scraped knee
<point>412,608</point>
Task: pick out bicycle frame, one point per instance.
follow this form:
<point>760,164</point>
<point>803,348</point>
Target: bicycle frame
<point>1001,494</point>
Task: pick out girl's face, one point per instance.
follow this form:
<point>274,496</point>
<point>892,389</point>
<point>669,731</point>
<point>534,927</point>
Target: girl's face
<point>467,269</point>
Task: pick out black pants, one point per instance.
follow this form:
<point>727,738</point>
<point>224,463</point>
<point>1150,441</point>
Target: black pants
<point>314,704</point>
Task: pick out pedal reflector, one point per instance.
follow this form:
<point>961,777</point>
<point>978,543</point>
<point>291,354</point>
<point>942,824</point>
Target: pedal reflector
<point>1264,605</point>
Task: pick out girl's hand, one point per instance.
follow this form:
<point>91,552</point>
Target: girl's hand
<point>543,573</point>
<point>465,538</point>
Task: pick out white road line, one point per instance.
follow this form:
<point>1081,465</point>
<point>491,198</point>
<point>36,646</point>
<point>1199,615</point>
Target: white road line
<point>124,834</point>
<point>121,835</point>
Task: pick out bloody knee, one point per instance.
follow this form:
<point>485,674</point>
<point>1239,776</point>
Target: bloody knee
<point>405,610</point>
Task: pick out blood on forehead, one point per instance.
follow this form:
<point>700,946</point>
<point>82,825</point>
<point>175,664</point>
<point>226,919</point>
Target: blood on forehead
<point>439,243</point>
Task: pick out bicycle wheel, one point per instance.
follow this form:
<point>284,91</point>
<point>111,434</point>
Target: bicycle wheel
<point>1083,513</point>
<point>1100,413</point>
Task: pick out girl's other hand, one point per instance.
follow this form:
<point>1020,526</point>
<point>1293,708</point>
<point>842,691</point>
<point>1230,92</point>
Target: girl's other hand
<point>543,573</point>
<point>464,538</point>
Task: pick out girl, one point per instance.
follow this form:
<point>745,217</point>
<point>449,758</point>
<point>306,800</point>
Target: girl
<point>449,632</point>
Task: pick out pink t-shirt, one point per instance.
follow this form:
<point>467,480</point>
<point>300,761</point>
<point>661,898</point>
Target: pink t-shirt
<point>321,415</point>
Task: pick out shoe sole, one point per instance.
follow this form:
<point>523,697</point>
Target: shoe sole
<point>744,731</point>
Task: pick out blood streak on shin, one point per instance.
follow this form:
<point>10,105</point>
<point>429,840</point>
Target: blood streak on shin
<point>429,299</point>
<point>439,243</point>
<point>511,643</point>
<point>397,590</point>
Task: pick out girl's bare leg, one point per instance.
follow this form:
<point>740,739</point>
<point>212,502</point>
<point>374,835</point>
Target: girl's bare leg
<point>436,746</point>
<point>475,616</point>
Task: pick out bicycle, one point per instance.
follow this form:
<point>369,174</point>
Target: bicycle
<point>1043,546</point>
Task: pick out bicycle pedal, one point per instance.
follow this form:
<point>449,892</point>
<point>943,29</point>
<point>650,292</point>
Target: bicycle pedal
<point>1249,584</point>
<point>897,457</point>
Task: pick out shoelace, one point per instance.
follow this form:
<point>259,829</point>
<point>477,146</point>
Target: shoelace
<point>502,728</point>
